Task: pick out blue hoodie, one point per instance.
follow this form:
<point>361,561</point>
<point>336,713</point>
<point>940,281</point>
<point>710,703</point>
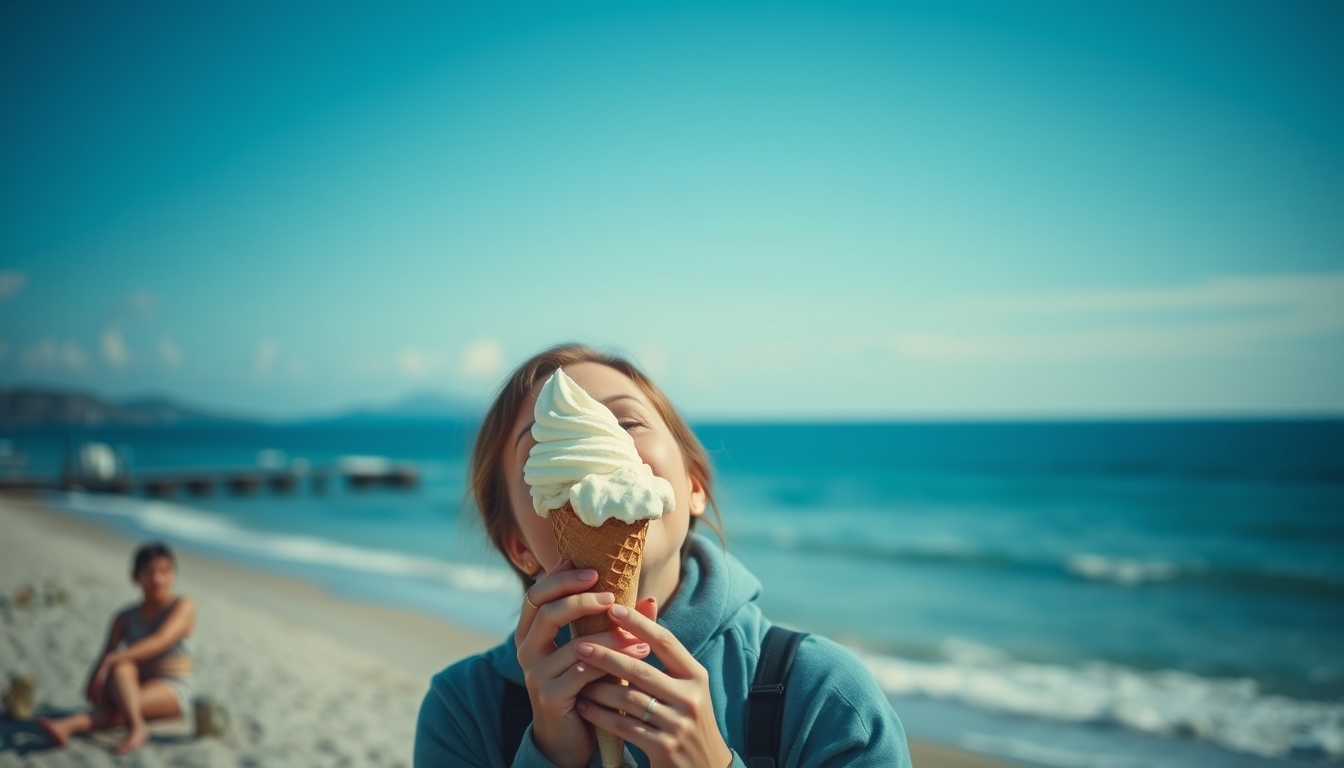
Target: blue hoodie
<point>834,712</point>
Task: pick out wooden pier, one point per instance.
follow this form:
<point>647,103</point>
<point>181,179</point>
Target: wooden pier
<point>359,474</point>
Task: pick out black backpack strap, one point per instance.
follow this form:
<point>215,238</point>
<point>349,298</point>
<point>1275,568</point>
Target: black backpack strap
<point>515,714</point>
<point>765,703</point>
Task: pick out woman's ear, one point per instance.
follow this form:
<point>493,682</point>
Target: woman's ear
<point>518,552</point>
<point>698,497</point>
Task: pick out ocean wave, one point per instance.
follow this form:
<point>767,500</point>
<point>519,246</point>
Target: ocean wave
<point>1115,570</point>
<point>218,531</point>
<point>1127,571</point>
<point>1231,713</point>
<point>1135,571</point>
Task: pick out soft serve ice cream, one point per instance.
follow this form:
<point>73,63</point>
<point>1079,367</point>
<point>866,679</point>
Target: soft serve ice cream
<point>585,459</point>
<point>588,479</point>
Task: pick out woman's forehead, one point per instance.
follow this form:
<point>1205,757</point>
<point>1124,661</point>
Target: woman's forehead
<point>601,382</point>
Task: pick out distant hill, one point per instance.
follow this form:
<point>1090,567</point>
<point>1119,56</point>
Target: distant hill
<point>35,407</point>
<point>420,405</point>
<point>31,407</point>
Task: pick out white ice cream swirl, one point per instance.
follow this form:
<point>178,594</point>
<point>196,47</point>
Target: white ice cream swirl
<point>584,458</point>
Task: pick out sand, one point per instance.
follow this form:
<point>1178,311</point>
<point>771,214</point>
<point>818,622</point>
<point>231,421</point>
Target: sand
<point>309,679</point>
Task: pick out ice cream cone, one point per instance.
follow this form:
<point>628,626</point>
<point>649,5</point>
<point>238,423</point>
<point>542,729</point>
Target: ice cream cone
<point>613,549</point>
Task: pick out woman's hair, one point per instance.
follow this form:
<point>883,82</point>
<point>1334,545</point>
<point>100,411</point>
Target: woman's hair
<point>489,486</point>
<point>148,553</point>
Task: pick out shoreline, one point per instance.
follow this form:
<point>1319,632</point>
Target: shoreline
<point>302,671</point>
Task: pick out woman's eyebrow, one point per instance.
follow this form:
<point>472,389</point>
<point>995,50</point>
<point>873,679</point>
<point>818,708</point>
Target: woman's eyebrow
<point>609,400</point>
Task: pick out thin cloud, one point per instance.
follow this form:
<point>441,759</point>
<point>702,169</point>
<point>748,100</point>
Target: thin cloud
<point>417,363</point>
<point>114,349</point>
<point>11,283</point>
<point>52,355</point>
<point>264,357</point>
<point>483,358</point>
<point>136,307</point>
<point>170,353</point>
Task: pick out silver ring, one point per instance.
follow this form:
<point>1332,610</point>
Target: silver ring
<point>648,712</point>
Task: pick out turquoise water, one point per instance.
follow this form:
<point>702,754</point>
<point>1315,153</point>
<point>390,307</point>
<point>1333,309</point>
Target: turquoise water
<point>1085,594</point>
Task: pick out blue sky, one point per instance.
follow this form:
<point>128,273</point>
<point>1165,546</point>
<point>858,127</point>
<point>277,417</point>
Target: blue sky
<point>782,210</point>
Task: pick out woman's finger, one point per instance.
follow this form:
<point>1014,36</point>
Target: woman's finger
<point>529,610</point>
<point>561,581</point>
<point>540,639</point>
<point>559,678</point>
<point>631,729</point>
<point>556,663</point>
<point>569,685</point>
<point>624,698</point>
<point>676,659</point>
<point>648,608</point>
<point>639,674</point>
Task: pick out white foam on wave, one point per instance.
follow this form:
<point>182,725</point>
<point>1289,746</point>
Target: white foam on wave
<point>188,524</point>
<point>1232,713</point>
<point>1125,571</point>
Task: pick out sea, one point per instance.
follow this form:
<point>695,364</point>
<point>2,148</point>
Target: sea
<point>1099,595</point>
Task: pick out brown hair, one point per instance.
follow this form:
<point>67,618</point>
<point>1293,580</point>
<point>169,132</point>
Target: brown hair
<point>148,553</point>
<point>490,488</point>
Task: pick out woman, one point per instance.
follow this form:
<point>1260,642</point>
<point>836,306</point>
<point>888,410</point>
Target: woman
<point>145,670</point>
<point>696,614</point>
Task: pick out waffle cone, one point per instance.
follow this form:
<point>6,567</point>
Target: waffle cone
<point>613,549</point>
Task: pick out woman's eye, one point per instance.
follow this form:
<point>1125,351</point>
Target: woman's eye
<point>630,423</point>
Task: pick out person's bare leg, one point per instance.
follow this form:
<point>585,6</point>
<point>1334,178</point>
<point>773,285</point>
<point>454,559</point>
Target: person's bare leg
<point>123,688</point>
<point>61,729</point>
<point>153,700</point>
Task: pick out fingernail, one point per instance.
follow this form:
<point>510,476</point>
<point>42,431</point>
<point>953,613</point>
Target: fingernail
<point>620,611</point>
<point>642,648</point>
<point>585,649</point>
<point>605,598</point>
<point>581,704</point>
<point>587,574</point>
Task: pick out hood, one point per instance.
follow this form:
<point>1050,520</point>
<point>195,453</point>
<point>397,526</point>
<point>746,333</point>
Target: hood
<point>715,589</point>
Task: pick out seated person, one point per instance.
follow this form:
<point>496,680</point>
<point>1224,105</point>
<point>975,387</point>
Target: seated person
<point>144,672</point>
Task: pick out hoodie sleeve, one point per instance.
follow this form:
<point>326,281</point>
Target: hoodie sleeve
<point>530,757</point>
<point>455,727</point>
<point>836,715</point>
<point>447,732</point>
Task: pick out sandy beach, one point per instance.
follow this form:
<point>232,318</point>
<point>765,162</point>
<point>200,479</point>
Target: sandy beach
<point>309,679</point>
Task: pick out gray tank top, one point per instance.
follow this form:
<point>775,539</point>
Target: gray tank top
<point>137,630</point>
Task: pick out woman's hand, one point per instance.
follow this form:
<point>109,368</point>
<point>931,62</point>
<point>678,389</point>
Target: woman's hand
<point>98,682</point>
<point>555,675</point>
<point>679,728</point>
